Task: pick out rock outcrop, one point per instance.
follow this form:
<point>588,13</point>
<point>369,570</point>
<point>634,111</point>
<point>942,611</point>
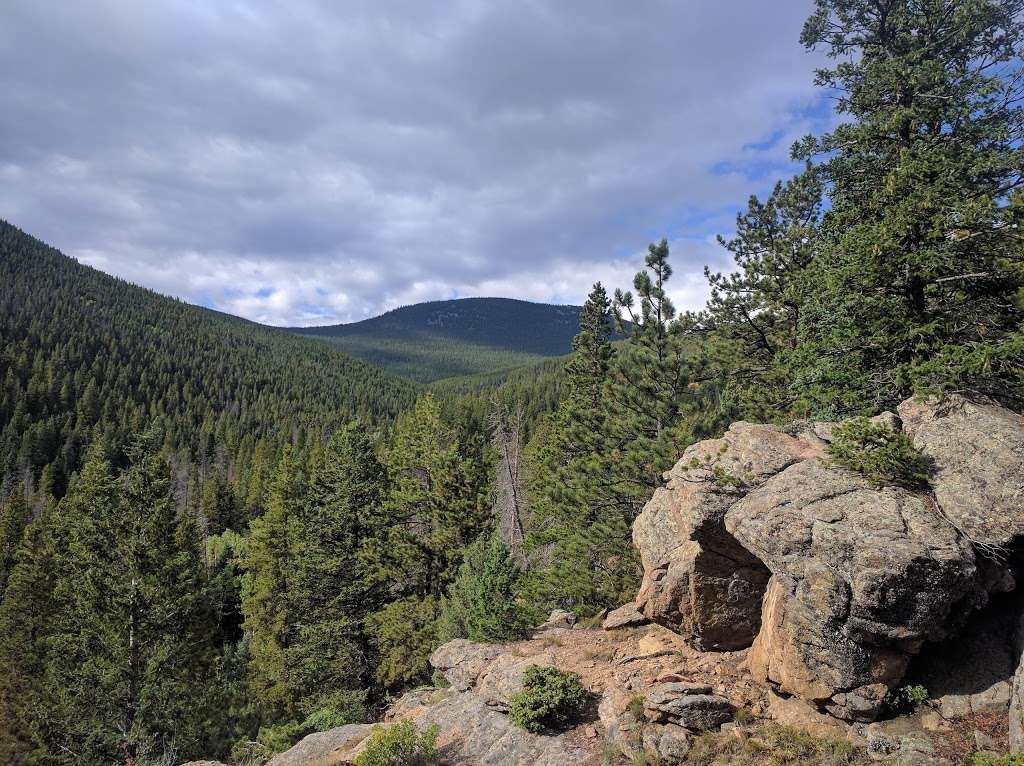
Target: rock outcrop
<point>978,449</point>
<point>645,669</point>
<point>698,580</point>
<point>836,583</point>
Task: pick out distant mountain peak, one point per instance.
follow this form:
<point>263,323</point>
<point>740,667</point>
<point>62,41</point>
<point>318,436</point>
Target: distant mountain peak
<point>461,336</point>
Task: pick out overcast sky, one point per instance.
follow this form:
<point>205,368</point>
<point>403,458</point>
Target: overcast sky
<point>317,162</point>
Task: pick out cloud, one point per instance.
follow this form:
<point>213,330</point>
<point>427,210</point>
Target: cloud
<point>315,162</point>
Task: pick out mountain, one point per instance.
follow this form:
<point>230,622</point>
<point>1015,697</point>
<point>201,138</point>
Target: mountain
<point>444,339</point>
<point>85,354</point>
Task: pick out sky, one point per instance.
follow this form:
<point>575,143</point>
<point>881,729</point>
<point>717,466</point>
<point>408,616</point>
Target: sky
<point>304,163</point>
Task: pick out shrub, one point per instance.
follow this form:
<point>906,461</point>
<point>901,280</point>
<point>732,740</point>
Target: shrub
<point>551,699</point>
<point>879,453</point>
<point>329,711</point>
<point>905,699</point>
<point>989,759</point>
<point>401,745</point>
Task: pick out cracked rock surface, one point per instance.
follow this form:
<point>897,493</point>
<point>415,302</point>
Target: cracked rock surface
<point>757,540</point>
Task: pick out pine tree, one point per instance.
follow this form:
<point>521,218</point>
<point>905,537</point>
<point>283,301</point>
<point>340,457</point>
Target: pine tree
<point>436,502</point>
<point>749,329</point>
<point>921,256</point>
<point>27,703</point>
<point>334,588</point>
<point>435,507</point>
<point>266,600</point>
<point>483,602</point>
<point>13,520</point>
<point>571,547</point>
<point>647,396</point>
<point>129,644</point>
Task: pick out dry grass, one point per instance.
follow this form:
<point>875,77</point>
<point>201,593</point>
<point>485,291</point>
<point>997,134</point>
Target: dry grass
<point>548,641</point>
<point>773,745</point>
<point>604,654</point>
<point>958,744</point>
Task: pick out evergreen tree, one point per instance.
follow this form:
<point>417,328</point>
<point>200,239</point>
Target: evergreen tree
<point>13,520</point>
<point>483,602</point>
<point>749,329</point>
<point>129,648</point>
<point>266,598</point>
<point>27,704</point>
<point>647,397</point>
<point>334,589</point>
<point>435,508</point>
<point>920,257</point>
<point>436,503</point>
<point>574,553</point>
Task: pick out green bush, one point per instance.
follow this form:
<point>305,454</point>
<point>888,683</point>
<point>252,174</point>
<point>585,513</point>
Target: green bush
<point>401,745</point>
<point>337,709</point>
<point>988,759</point>
<point>551,699</point>
<point>905,699</point>
<point>879,453</point>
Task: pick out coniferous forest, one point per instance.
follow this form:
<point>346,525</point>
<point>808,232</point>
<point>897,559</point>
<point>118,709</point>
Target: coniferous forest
<point>218,537</point>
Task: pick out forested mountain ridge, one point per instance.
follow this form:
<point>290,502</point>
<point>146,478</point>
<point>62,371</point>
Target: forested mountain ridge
<point>467,336</point>
<point>84,351</point>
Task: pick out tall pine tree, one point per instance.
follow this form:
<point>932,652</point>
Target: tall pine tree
<point>914,288</point>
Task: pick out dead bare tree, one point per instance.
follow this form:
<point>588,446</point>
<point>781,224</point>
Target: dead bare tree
<point>507,427</point>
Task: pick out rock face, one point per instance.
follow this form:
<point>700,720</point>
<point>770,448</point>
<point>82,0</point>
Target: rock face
<point>978,449</point>
<point>698,580</point>
<point>757,540</point>
<point>328,748</point>
<point>861,576</point>
<point>680,691</point>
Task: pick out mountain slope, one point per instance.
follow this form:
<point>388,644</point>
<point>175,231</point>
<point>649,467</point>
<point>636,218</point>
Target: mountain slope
<point>83,353</point>
<point>443,339</point>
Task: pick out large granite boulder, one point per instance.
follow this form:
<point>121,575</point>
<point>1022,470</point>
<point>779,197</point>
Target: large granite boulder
<point>461,661</point>
<point>861,577</point>
<point>757,536</point>
<point>698,580</point>
<point>336,747</point>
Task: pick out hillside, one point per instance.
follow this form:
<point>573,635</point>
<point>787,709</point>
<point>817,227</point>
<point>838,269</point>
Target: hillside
<point>83,351</point>
<point>444,339</point>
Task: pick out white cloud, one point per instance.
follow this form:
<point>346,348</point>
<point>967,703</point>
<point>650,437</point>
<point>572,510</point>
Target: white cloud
<point>319,162</point>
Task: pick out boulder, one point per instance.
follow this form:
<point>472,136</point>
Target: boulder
<point>904,742</point>
<point>698,580</point>
<point>473,733</point>
<point>503,678</point>
<point>861,576</point>
<point>689,705</point>
<point>461,661</point>
<point>559,619</point>
<point>625,616</point>
<point>673,744</point>
<point>756,536</point>
<point>978,449</point>
<point>335,747</point>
